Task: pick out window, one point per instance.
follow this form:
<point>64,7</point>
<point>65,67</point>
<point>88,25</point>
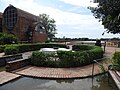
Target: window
<point>39,28</point>
<point>10,17</point>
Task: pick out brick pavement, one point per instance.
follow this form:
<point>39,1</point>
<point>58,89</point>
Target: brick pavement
<point>44,72</point>
<point>6,77</point>
<point>110,50</point>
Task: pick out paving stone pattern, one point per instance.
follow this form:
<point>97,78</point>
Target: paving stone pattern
<point>43,72</point>
<point>6,76</point>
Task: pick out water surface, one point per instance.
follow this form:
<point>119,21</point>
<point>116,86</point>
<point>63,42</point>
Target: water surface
<point>26,83</point>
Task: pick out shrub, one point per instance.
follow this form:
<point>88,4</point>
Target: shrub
<point>67,58</point>
<point>38,59</point>
<point>7,38</point>
<point>116,61</point>
<point>96,52</point>
<point>2,47</point>
<point>81,47</point>
<point>11,50</point>
<point>116,58</point>
<point>42,59</point>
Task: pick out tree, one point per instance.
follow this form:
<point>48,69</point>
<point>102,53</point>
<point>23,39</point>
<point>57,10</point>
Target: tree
<point>49,25</point>
<point>108,11</point>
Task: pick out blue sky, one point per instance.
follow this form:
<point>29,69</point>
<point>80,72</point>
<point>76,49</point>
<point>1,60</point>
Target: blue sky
<point>72,17</point>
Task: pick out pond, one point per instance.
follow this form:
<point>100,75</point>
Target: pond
<point>26,83</point>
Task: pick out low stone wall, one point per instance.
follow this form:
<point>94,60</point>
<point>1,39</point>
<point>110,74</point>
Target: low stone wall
<point>5,59</point>
<point>17,64</point>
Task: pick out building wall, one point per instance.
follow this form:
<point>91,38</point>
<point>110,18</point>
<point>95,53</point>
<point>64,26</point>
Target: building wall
<point>38,37</point>
<point>0,22</point>
<point>112,43</point>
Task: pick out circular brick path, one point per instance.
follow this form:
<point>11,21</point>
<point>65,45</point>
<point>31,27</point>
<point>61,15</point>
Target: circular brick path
<point>56,73</point>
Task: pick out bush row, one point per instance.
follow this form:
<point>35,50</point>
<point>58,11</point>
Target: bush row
<point>67,58</point>
<point>82,47</point>
<point>20,48</point>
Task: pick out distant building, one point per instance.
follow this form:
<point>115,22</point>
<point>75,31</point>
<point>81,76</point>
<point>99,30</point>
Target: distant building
<point>0,22</point>
<point>113,43</point>
<point>24,25</point>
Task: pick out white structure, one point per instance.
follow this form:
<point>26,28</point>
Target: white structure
<point>53,50</point>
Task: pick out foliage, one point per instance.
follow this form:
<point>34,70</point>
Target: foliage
<point>30,47</point>
<point>98,43</point>
<point>116,58</point>
<point>2,47</point>
<point>49,25</point>
<point>7,38</point>
<point>81,47</point>
<point>11,50</point>
<point>108,12</point>
<point>67,58</point>
<point>38,59</point>
<point>116,61</point>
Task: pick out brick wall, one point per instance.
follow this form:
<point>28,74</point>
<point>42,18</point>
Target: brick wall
<point>38,37</point>
<point>13,65</point>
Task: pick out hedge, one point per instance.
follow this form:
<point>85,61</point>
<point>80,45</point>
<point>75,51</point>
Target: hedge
<point>82,47</point>
<point>11,50</point>
<point>68,58</point>
<point>27,47</point>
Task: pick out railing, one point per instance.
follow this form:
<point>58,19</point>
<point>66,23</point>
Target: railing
<point>101,65</point>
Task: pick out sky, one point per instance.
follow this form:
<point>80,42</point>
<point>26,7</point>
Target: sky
<point>73,19</point>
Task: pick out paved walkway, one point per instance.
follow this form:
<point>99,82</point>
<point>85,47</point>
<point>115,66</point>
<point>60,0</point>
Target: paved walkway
<point>78,72</point>
<point>6,77</point>
<point>110,50</point>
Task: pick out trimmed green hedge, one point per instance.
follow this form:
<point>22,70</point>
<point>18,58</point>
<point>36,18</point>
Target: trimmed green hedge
<point>68,58</point>
<point>11,50</point>
<point>2,47</point>
<point>27,47</point>
<point>82,47</point>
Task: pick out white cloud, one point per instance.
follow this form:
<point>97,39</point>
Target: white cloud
<point>61,17</point>
<point>83,3</point>
<point>75,25</point>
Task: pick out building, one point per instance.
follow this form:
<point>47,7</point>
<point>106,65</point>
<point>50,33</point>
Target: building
<point>24,25</point>
<point>113,43</point>
<point>0,22</point>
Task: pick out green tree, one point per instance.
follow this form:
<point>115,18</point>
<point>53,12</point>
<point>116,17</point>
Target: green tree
<point>108,11</point>
<point>49,25</point>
